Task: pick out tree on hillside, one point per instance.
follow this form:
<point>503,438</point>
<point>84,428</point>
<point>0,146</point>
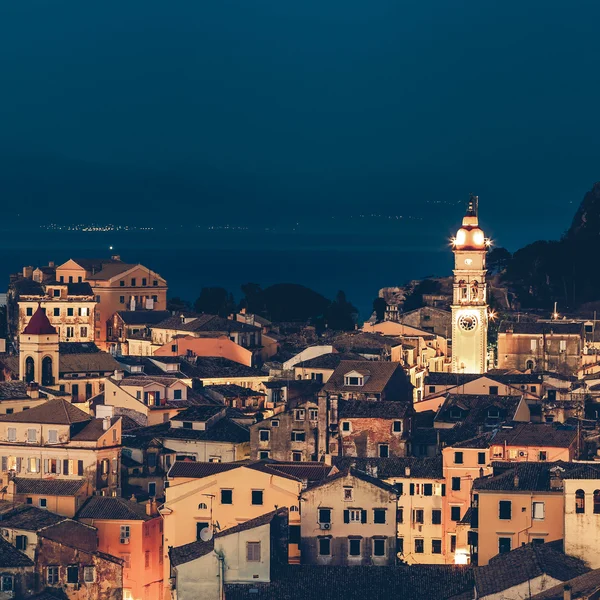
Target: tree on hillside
<point>293,302</point>
<point>178,305</point>
<point>498,260</point>
<point>215,301</point>
<point>414,299</point>
<point>341,314</point>
<point>253,298</point>
<point>379,307</point>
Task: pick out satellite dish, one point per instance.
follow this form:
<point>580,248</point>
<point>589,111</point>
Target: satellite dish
<point>206,534</point>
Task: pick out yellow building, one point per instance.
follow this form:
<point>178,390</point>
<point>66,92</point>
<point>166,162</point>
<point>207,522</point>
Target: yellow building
<point>55,455</point>
<point>222,495</point>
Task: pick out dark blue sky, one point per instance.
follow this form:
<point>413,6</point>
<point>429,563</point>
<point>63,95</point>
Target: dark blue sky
<point>315,106</point>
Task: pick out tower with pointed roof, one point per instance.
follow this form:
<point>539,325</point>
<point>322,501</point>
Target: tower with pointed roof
<point>469,301</point>
<point>38,350</point>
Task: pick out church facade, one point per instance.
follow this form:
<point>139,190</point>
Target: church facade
<point>469,301</point>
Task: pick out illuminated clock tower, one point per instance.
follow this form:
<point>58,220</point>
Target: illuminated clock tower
<point>469,302</point>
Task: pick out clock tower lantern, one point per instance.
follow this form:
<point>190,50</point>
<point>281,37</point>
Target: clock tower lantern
<point>469,301</point>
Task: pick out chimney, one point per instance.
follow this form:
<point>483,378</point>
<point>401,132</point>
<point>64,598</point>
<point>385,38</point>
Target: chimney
<point>407,471</point>
<point>28,272</point>
<point>182,317</point>
<point>133,498</point>
<point>116,257</point>
<point>567,592</point>
<point>106,423</point>
<point>50,263</point>
<point>33,390</point>
<point>118,375</point>
<point>151,507</point>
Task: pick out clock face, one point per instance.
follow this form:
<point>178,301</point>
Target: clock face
<point>467,322</point>
<point>468,261</point>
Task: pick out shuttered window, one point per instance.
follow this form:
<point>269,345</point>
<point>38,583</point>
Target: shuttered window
<point>253,551</point>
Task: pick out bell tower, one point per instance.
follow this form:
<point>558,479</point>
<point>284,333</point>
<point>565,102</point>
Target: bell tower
<point>469,301</point>
<point>39,351</point>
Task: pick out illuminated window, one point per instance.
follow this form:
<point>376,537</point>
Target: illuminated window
<point>579,502</point>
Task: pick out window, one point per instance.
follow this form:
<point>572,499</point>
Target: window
<point>452,543</point>
<point>432,389</point>
<point>455,484</point>
<point>493,412</point>
<point>533,345</point>
<point>29,311</point>
<point>299,414</point>
<point>296,456</point>
<point>538,511</point>
<point>324,515</point>
<point>418,515</point>
<point>121,299</point>
<point>534,389</point>
<point>226,496</point>
<point>125,534</point>
<point>133,282</point>
<point>378,547</point>
<point>458,458</point>
<point>493,390</point>
<point>52,575</point>
<point>436,546</point>
<point>455,513</point>
<point>400,545</point>
<point>155,283</point>
<point>345,425</point>
<point>33,465</point>
<point>538,541</point>
<point>298,436</point>
<point>353,380</point>
<point>313,414</point>
<point>505,510</point>
<point>504,545</point>
<point>257,497</point>
<point>384,450</point>
<point>31,436</point>
<point>176,394</point>
<point>325,546</point>
<point>275,423</point>
<point>563,345</point>
<point>419,546</point>
<point>597,502</point>
<point>151,488</point>
<point>70,332</point>
<point>253,551</point>
<point>89,574</point>
<point>543,455</point>
<point>264,455</point>
<point>294,534</point>
<point>56,312</point>
<point>144,281</point>
<point>43,503</point>
<point>52,436</point>
<point>348,494</point>
<point>455,413</point>
<point>21,542</point>
<point>7,583</point>
<point>579,502</point>
<point>264,435</point>
<point>72,574</point>
<point>12,434</point>
<point>397,427</point>
<point>354,547</point>
<point>436,517</point>
<point>379,515</point>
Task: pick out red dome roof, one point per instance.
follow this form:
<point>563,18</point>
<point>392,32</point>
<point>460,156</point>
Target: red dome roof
<point>39,324</point>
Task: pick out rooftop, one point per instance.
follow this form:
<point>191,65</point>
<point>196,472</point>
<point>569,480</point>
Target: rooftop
<point>208,367</point>
<point>369,409</point>
<point>113,509</point>
<point>351,473</point>
<point>328,361</point>
<point>52,412</point>
<point>50,487</point>
<point>26,516</point>
<point>537,434</point>
<point>10,557</point>
<point>582,586</point>
<point>394,467</point>
<point>39,324</point>
<point>196,470</point>
<point>542,328</point>
<point>204,323</point>
<point>377,376</point>
<point>143,317</point>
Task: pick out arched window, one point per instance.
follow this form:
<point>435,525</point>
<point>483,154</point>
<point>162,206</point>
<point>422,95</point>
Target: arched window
<point>579,502</point>
<point>597,502</point>
<point>294,509</point>
<point>29,369</point>
<point>202,506</point>
<point>530,365</point>
<point>47,378</point>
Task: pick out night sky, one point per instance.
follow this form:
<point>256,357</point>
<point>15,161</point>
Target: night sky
<point>271,109</point>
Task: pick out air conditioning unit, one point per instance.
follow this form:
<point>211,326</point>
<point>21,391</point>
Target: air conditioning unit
<point>522,453</point>
<point>325,526</point>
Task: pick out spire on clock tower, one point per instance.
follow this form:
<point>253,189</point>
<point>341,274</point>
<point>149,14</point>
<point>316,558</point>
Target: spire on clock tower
<point>469,303</point>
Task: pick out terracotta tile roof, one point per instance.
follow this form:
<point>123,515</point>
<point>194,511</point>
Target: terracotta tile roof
<point>143,317</point>
<point>204,323</point>
<point>306,471</point>
<point>88,362</point>
<point>110,270</point>
<point>231,391</point>
<point>11,557</point>
<point>39,324</point>
<point>198,470</point>
<point>320,582</point>
<point>26,516</point>
<point>328,361</point>
<point>72,533</point>
<point>206,367</point>
<point>349,473</point>
<point>13,390</point>
<point>113,509</point>
<point>378,375</point>
<point>582,586</point>
<point>65,348</point>
<point>50,487</point>
<point>92,431</point>
<point>199,413</point>
<point>369,409</point>
<point>394,467</point>
<point>541,327</point>
<point>475,409</point>
<point>523,564</point>
<point>450,379</point>
<point>537,434</point>
<point>53,412</point>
